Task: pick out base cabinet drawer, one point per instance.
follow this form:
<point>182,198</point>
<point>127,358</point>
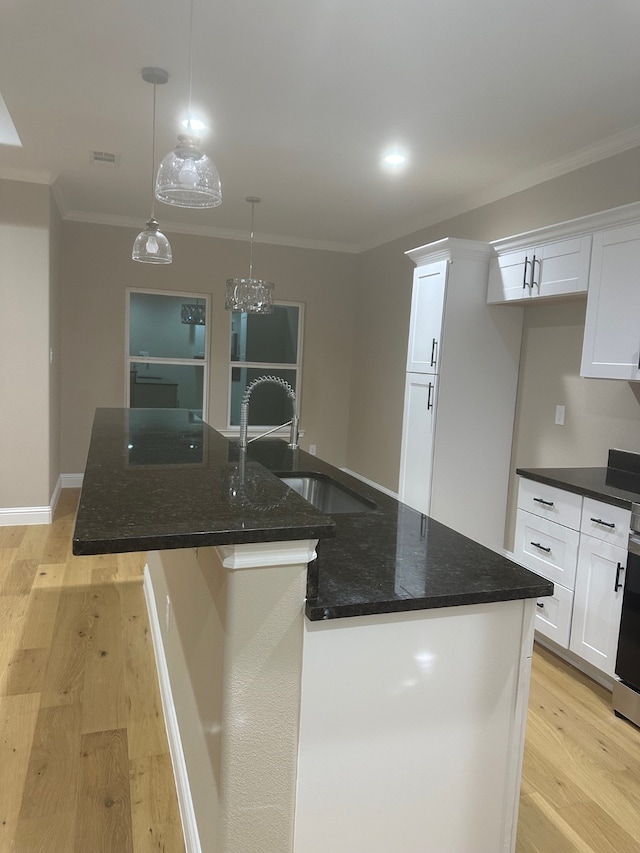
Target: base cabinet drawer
<point>546,548</point>
<point>606,522</point>
<point>553,615</point>
<point>551,503</point>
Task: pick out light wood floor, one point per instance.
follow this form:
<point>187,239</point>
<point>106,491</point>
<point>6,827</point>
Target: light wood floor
<point>84,761</point>
<point>581,778</point>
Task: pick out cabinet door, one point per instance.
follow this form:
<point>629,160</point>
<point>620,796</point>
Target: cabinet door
<point>563,268</point>
<point>509,276</point>
<point>417,441</point>
<point>552,269</point>
<point>611,348</point>
<point>598,602</point>
<point>427,309</point>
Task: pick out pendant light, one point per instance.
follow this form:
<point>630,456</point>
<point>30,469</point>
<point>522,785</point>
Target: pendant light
<point>250,295</point>
<point>187,177</point>
<point>151,246</point>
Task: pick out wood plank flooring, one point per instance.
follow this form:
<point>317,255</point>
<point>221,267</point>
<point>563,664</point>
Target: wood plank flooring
<point>84,761</point>
<point>581,778</point>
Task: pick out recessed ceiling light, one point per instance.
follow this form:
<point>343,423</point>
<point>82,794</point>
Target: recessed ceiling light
<point>395,159</point>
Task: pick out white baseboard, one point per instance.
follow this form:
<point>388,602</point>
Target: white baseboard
<point>25,515</point>
<point>371,483</point>
<point>18,515</point>
<point>71,481</point>
<point>185,802</point>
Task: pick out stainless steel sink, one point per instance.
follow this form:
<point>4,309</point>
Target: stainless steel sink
<point>326,494</point>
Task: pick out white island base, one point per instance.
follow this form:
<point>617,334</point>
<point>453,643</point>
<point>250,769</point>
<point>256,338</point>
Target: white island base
<point>393,733</point>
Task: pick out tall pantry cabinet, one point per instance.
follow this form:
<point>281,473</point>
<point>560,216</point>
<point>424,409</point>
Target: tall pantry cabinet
<point>460,392</point>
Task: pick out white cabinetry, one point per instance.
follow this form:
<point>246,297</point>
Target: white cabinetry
<point>602,560</point>
<point>611,348</point>
<point>456,443</point>
<point>555,269</point>
<point>417,439</point>
<point>427,310</point>
<point>583,551</point>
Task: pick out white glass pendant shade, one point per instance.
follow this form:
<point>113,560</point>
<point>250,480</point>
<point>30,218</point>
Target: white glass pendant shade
<point>151,246</point>
<point>187,177</point>
<point>250,295</point>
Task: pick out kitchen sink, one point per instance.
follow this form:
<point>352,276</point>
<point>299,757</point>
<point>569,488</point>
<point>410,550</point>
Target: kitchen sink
<point>326,494</point>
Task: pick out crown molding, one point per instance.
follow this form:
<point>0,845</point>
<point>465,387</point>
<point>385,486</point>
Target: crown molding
<point>609,147</point>
<point>615,217</point>
<point>448,248</point>
<point>205,231</point>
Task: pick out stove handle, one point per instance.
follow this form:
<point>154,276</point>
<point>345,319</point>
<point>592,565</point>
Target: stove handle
<point>618,585</point>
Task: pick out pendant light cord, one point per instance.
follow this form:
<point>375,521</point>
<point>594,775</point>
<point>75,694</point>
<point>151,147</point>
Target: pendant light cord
<point>253,204</point>
<point>190,62</point>
<point>153,157</point>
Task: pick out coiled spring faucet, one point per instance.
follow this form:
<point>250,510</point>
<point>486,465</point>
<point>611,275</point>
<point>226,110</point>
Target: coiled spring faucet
<point>244,412</point>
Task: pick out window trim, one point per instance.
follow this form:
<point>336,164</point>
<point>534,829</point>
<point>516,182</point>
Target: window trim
<point>199,362</point>
<point>268,367</point>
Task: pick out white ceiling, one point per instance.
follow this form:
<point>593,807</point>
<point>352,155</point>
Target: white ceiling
<point>487,96</point>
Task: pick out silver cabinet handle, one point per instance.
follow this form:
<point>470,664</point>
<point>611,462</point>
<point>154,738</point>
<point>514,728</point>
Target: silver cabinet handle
<point>533,272</point>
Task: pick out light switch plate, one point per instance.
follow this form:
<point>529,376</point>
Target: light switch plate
<point>560,415</point>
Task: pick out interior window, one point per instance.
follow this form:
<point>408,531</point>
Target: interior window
<point>167,362</point>
<point>265,345</point>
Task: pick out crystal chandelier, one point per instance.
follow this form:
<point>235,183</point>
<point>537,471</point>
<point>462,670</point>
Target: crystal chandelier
<point>151,246</point>
<point>187,177</point>
<point>250,295</point>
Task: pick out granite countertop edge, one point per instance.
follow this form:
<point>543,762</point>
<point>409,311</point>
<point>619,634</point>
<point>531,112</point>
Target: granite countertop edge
<point>588,482</point>
<point>390,559</point>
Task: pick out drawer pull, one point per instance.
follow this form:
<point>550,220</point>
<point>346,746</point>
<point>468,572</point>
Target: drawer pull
<point>434,346</point>
<point>542,548</point>
<point>617,584</point>
<point>546,503</point>
<point>604,523</point>
<point>540,605</point>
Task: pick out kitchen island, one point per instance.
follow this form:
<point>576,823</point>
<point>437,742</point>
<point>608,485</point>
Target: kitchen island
<point>371,703</point>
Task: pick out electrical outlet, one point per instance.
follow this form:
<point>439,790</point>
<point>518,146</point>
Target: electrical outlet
<point>312,449</point>
<point>560,415</point>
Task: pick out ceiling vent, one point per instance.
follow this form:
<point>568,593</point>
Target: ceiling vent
<point>104,158</point>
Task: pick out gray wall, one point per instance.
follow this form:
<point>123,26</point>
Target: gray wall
<point>600,413</point>
<point>27,386</point>
<point>96,270</point>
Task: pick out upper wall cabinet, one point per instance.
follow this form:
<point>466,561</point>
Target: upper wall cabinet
<point>611,348</point>
<point>427,309</point>
<point>554,269</point>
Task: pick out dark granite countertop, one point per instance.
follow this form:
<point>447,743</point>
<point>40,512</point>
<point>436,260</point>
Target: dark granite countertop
<point>385,560</point>
<point>618,483</point>
<point>161,479</point>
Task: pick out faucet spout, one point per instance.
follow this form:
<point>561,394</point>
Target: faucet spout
<point>244,411</point>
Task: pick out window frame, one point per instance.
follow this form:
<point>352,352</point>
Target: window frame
<point>269,367</point>
<point>198,362</point>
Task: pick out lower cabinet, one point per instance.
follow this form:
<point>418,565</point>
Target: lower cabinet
<point>598,602</point>
<point>585,558</point>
